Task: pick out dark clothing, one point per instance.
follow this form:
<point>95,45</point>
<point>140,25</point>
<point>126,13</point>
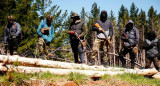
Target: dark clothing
<point>77,48</point>
<point>107,26</point>
<point>155,62</point>
<point>12,36</point>
<point>132,34</point>
<point>152,51</point>
<point>79,28</point>
<point>12,30</point>
<point>103,16</point>
<point>131,41</point>
<point>159,49</point>
<point>132,57</point>
<point>151,48</point>
<point>12,45</point>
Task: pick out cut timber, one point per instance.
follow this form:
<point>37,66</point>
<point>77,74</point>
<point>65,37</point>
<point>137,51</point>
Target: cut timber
<point>147,72</point>
<point>3,68</point>
<point>32,70</point>
<point>156,76</point>
<point>47,63</point>
<point>70,66</point>
<point>92,73</point>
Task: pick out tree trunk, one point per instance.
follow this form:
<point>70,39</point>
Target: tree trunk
<point>32,70</point>
<point>46,63</point>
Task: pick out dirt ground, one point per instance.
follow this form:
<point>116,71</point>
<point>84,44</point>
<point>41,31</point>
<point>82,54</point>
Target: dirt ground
<point>72,83</point>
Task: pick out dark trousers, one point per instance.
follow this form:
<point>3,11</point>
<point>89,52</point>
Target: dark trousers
<point>155,62</point>
<point>132,57</point>
<point>77,48</point>
<point>12,45</point>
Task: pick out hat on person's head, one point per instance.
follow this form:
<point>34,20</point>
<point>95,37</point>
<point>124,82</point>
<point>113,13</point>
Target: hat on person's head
<point>74,15</point>
<point>10,18</point>
<point>49,16</point>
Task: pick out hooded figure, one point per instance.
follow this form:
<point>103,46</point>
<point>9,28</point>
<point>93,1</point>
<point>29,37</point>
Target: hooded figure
<point>151,45</point>
<point>130,42</point>
<point>132,34</point>
<point>151,35</point>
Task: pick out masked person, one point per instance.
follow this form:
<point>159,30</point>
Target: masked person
<point>151,46</point>
<point>105,31</point>
<point>77,30</point>
<point>12,34</point>
<point>130,37</point>
<point>46,34</point>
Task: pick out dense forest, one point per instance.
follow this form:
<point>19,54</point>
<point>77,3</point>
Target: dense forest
<point>29,13</point>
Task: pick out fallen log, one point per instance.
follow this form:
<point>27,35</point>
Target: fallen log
<point>63,65</point>
<point>156,76</point>
<point>48,63</point>
<point>93,73</point>
<point>144,72</point>
<point>32,70</point>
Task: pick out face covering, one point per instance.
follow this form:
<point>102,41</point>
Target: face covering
<point>103,16</point>
<point>49,21</point>
<point>129,26</point>
<point>151,36</point>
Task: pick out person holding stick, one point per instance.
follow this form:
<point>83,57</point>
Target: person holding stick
<point>104,29</point>
<point>130,38</point>
<point>77,31</point>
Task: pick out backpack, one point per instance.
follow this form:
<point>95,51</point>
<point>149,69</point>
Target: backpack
<point>15,26</point>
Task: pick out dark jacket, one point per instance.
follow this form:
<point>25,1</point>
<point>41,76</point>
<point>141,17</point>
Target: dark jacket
<point>151,47</point>
<point>79,28</point>
<point>132,34</point>
<point>11,30</point>
<point>159,48</point>
<point>107,26</point>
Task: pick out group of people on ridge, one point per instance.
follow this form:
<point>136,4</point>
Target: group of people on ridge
<point>77,31</point>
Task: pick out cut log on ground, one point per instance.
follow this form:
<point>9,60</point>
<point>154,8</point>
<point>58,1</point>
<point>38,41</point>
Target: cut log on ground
<point>32,70</point>
<point>48,63</point>
<point>66,68</point>
<point>156,76</point>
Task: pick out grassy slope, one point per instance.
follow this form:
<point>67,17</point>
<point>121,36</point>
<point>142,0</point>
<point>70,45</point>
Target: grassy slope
<point>128,79</point>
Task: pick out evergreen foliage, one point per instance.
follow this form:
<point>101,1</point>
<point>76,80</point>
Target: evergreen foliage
<point>29,13</point>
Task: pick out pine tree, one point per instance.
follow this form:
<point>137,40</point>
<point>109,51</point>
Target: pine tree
<point>83,15</point>
<point>6,8</point>
<point>112,48</point>
<point>28,18</point>
<point>92,17</point>
<point>134,14</point>
<point>122,21</point>
<point>153,19</point>
<point>142,25</point>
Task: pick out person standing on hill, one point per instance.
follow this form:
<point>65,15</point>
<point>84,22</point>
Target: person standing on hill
<point>152,48</point>
<point>130,38</point>
<point>46,33</point>
<point>12,35</point>
<point>77,31</point>
<point>104,34</point>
